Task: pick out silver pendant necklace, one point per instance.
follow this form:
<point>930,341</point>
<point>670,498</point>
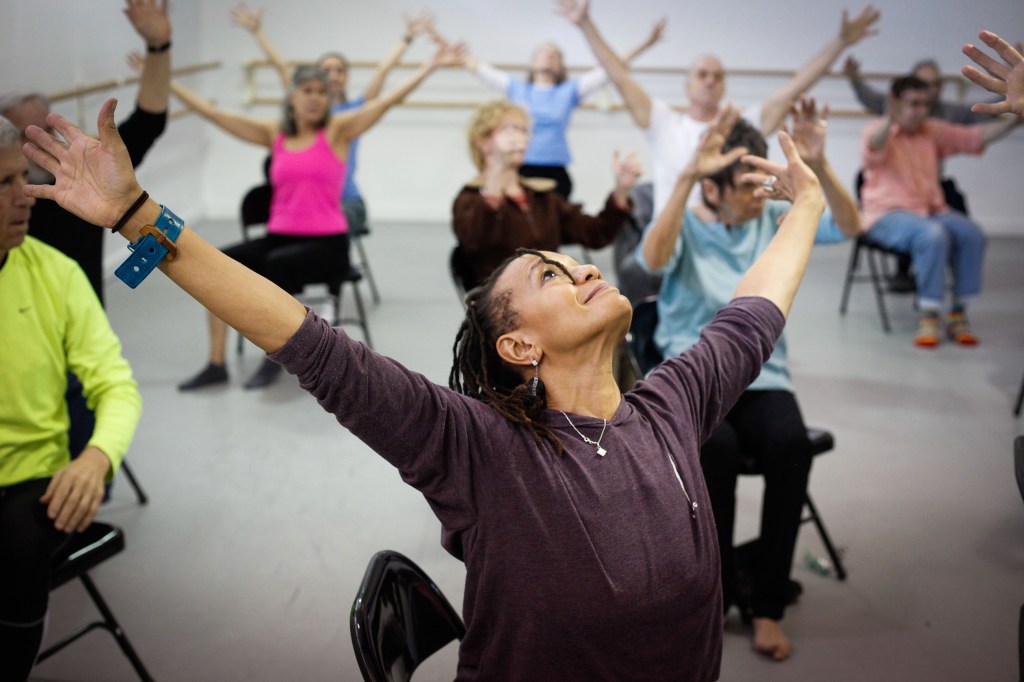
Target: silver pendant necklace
<point>596,443</point>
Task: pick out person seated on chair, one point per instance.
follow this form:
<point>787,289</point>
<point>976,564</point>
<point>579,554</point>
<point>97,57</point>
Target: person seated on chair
<point>904,206</point>
<point>875,101</point>
<point>52,323</point>
<point>499,211</point>
<point>335,66</point>
<point>307,233</point>
<point>531,450</point>
<point>702,254</point>
<point>60,229</point>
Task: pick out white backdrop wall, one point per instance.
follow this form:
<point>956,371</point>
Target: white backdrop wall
<point>414,161</point>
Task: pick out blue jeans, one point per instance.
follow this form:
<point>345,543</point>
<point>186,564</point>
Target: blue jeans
<point>933,242</point>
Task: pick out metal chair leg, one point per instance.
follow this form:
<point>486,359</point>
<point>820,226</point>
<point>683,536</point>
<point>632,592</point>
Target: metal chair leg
<point>876,282</point>
<point>362,313</point>
<point>110,624</point>
<point>364,265</point>
<point>837,560</point>
<point>140,494</point>
<point>361,319</point>
<point>851,271</point>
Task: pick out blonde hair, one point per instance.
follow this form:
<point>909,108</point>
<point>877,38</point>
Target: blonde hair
<point>486,120</point>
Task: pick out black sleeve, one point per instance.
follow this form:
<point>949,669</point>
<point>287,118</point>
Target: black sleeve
<point>139,131</point>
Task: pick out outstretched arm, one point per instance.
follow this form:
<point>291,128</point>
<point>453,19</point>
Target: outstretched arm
<point>638,102</point>
<point>655,36</point>
<point>149,19</point>
<point>777,272</point>
<point>414,26</point>
<point>851,32</point>
<point>998,129</point>
<point>243,127</point>
<point>872,98</point>
<point>1005,78</point>
<point>252,21</point>
<point>809,128</point>
<point>708,159</point>
<point>345,126</point>
<point>95,181</point>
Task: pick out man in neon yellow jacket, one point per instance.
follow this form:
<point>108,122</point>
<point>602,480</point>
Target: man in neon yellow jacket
<point>51,321</point>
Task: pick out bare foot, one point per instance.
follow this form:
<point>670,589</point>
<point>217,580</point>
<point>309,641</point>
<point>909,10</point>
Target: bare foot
<point>770,640</point>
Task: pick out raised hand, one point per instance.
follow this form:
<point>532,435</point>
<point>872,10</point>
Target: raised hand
<point>808,132</point>
<point>790,181</point>
<point>1005,78</point>
<point>149,19</point>
<point>419,24</point>
<point>709,158</point>
<point>250,20</point>
<point>657,33</point>
<point>852,31</point>
<point>450,54</point>
<point>95,179</point>
<point>627,171</point>
<point>576,11</point>
<point>135,60</point>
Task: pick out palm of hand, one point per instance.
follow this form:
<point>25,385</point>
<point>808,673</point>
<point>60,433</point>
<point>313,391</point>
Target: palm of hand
<point>710,159</point>
<point>92,184</point>
<point>574,10</point>
<point>809,138</point>
<point>854,30</point>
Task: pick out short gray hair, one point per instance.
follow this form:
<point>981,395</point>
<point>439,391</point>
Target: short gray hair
<point>10,136</point>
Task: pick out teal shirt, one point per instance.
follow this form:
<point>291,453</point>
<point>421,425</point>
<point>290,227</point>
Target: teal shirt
<point>52,321</point>
<point>701,276</point>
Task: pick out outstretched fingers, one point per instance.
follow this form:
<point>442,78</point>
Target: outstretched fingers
<point>1009,53</point>
<point>986,62</point>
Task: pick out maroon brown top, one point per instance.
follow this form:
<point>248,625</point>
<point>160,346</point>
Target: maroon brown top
<point>578,567</point>
<point>488,235</point>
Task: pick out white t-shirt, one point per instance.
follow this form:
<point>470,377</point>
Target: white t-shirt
<point>673,138</point>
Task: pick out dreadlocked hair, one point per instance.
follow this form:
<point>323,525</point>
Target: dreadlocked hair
<point>479,372</point>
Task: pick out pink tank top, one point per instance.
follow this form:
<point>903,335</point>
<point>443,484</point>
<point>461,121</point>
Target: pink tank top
<point>307,185</point>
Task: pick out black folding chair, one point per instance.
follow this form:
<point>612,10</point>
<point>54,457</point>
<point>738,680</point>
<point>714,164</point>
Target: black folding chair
<point>88,549</point>
<point>399,618</point>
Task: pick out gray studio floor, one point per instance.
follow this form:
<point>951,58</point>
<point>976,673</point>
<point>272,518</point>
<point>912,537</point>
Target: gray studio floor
<point>264,512</point>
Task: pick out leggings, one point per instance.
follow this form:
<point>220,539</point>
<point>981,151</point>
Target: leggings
<point>293,262</point>
<point>767,426</point>
<point>28,544</point>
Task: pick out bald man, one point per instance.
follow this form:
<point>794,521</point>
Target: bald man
<point>673,136</point>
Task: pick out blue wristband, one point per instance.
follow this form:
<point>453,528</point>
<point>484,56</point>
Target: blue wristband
<point>156,244</point>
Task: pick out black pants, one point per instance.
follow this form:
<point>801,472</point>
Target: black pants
<point>557,173</point>
<point>293,262</point>
<point>28,544</point>
<point>767,426</point>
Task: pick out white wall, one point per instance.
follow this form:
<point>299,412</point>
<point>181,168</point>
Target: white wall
<point>414,161</point>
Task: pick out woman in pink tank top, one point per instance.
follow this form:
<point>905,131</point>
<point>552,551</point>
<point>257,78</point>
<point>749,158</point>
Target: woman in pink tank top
<point>307,234</point>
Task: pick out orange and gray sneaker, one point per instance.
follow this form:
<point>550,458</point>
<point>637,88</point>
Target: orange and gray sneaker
<point>928,331</point>
<point>958,330</point>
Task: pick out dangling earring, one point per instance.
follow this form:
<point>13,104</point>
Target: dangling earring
<point>535,381</point>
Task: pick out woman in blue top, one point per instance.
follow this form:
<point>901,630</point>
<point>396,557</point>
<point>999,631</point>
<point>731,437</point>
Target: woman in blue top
<point>550,98</point>
<point>335,65</point>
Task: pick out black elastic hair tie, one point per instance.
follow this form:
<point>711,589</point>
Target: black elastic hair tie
<point>131,211</point>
